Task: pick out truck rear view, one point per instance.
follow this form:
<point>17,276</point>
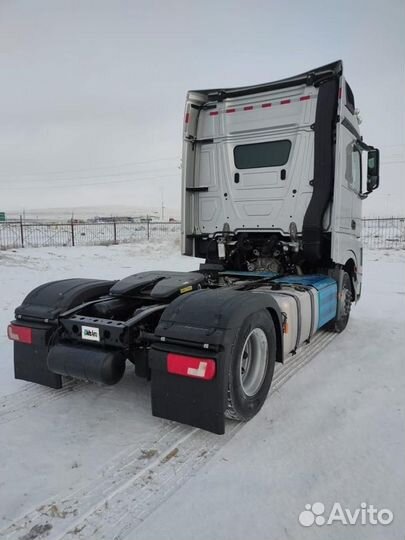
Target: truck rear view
<point>272,191</point>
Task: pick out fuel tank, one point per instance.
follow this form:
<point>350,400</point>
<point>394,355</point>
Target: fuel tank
<point>307,303</point>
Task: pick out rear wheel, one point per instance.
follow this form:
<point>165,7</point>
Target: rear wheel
<point>251,367</point>
<point>345,300</point>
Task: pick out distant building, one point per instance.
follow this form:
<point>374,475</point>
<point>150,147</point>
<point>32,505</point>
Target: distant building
<point>111,219</point>
<point>145,219</point>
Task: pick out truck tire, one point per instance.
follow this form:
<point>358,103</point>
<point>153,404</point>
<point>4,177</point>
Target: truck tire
<point>251,366</point>
<point>345,299</point>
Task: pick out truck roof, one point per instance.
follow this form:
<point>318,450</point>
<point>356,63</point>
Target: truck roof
<point>312,76</point>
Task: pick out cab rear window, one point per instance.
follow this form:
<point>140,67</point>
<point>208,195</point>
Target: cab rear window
<point>266,154</point>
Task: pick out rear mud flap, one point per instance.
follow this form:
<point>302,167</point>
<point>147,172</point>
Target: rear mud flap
<point>30,365</point>
<point>194,402</point>
<point>30,361</point>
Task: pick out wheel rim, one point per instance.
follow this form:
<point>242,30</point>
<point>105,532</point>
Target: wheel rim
<point>253,362</point>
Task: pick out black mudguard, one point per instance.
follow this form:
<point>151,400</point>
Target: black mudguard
<point>204,324</point>
<point>40,311</point>
<point>50,300</point>
<point>30,361</point>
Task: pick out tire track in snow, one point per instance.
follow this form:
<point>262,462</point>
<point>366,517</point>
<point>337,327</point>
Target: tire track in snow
<point>15,405</point>
<point>61,510</point>
<point>137,481</point>
<point>297,362</point>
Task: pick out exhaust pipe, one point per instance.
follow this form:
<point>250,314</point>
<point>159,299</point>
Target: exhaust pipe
<point>87,363</point>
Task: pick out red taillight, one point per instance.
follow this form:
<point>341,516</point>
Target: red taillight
<point>22,334</point>
<point>190,366</point>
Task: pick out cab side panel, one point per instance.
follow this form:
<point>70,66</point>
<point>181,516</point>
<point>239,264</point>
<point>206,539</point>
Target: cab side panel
<point>346,213</point>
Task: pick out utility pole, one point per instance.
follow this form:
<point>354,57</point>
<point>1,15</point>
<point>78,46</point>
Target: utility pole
<point>163,207</point>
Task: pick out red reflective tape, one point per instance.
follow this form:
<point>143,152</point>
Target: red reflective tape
<point>187,118</point>
<point>303,98</point>
<point>248,108</point>
<point>340,93</point>
<point>230,110</point>
<point>285,101</point>
<point>23,334</point>
<point>190,366</point>
<point>264,105</point>
<point>213,113</point>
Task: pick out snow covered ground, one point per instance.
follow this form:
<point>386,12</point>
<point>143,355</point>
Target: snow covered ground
<point>92,462</point>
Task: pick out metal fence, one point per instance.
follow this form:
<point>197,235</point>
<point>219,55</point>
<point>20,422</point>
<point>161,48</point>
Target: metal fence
<point>16,234</point>
<point>384,233</point>
<point>378,233</point>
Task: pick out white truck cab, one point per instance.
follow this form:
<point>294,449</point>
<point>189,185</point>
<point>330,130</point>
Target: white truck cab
<point>272,176</point>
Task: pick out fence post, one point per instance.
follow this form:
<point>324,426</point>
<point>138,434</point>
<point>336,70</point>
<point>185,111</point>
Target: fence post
<point>147,226</point>
<point>115,231</point>
<point>72,227</point>
<point>22,231</point>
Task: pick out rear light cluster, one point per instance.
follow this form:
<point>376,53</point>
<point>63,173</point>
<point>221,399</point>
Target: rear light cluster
<point>22,334</point>
<point>190,366</point>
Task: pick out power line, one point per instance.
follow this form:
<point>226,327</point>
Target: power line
<point>84,184</point>
<point>6,175</point>
<point>108,175</point>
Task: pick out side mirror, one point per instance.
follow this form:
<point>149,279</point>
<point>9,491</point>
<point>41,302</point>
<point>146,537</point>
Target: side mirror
<point>373,169</point>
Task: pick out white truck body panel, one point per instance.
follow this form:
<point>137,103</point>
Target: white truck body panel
<point>261,199</point>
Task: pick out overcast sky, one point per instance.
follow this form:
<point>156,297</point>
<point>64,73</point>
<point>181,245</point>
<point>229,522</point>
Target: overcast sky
<point>92,91</point>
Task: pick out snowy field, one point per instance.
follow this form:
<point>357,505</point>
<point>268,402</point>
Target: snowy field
<point>92,462</point>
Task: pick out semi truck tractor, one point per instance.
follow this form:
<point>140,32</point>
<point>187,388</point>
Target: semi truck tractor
<point>273,178</point>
